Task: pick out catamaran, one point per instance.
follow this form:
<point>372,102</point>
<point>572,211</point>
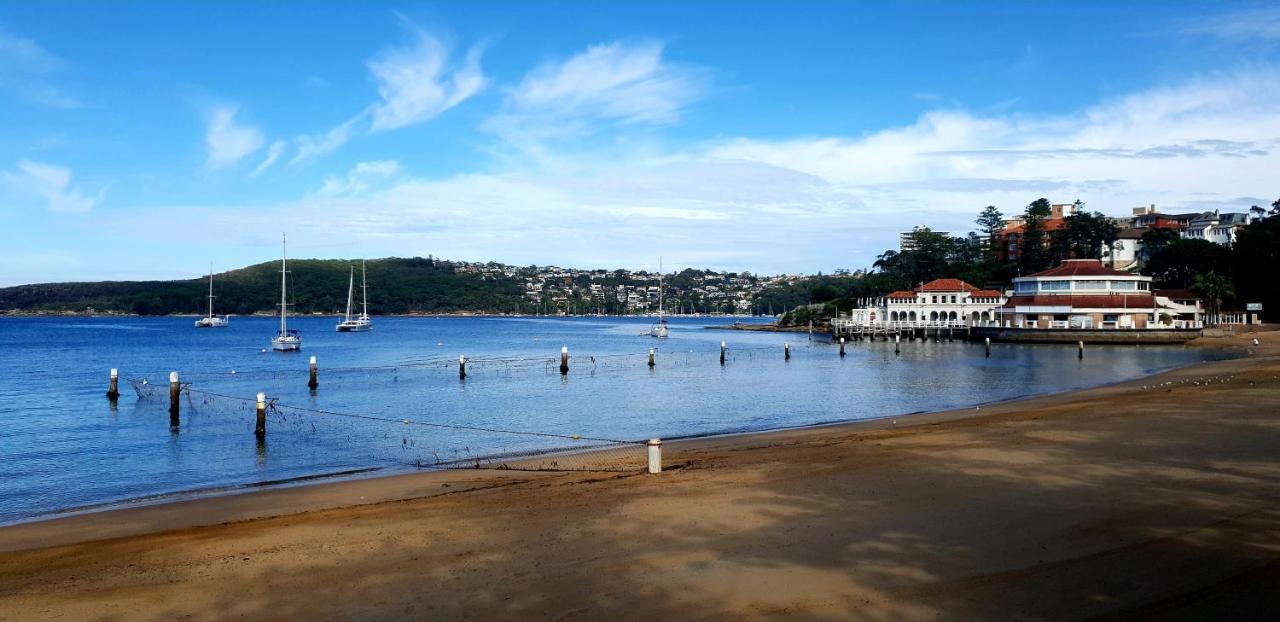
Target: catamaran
<point>659,330</point>
<point>362,323</point>
<point>288,339</point>
<point>211,320</point>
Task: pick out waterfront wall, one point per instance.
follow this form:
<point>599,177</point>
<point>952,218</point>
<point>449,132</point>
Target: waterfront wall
<point>1073,335</point>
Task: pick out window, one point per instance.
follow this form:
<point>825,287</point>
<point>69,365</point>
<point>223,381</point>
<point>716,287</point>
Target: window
<point>1025,287</point>
<point>934,299</point>
<point>953,299</point>
<point>1091,284</point>
<point>1051,286</point>
<point>1124,285</point>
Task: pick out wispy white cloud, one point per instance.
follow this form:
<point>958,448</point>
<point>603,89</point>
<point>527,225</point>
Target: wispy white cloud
<point>416,83</point>
<point>361,178</point>
<point>311,146</point>
<point>609,85</point>
<point>274,152</point>
<point>25,69</point>
<point>1262,23</point>
<point>227,141</point>
<point>51,184</point>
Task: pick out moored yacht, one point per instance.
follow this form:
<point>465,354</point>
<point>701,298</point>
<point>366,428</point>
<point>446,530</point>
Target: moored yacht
<point>211,320</point>
<point>287,339</point>
<point>362,323</point>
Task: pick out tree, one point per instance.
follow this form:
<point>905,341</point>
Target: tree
<point>1213,289</point>
<point>1084,235</point>
<point>1154,241</point>
<point>990,221</point>
<point>1177,264</point>
<point>1032,254</point>
<point>1254,258</point>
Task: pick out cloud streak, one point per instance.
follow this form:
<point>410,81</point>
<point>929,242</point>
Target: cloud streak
<point>52,185</point>
<point>25,70</point>
<point>226,141</point>
<point>415,83</point>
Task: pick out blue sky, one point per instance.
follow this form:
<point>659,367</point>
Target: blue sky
<point>149,140</point>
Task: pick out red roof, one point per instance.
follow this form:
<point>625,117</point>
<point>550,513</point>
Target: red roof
<point>947,285</point>
<point>1090,301</point>
<point>1081,267</point>
<point>985,293</point>
<point>903,294</point>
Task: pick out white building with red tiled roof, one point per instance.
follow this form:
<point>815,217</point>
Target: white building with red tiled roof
<point>941,302</point>
<point>1083,293</point>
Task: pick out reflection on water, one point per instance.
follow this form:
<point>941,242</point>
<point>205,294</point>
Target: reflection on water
<point>62,444</point>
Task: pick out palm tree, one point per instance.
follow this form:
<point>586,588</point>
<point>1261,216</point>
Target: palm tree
<point>1213,288</point>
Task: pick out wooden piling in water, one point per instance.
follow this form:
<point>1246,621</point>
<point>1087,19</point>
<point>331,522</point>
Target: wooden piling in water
<point>564,360</point>
<point>651,353</point>
<point>313,382</point>
<point>723,347</point>
<point>175,397</point>
<point>260,428</point>
<point>1080,351</point>
<point>462,367</point>
<point>897,342</point>
<point>842,346</point>
<point>113,385</point>
<point>987,340</point>
<point>786,351</point>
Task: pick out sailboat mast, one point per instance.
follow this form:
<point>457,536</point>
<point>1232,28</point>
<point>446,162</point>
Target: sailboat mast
<point>659,289</point>
<point>364,288</point>
<point>351,284</point>
<point>284,270</point>
<point>210,291</point>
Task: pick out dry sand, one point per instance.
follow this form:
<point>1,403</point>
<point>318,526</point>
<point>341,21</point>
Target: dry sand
<point>1122,501</point>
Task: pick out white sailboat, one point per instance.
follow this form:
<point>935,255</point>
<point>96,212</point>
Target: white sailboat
<point>211,320</point>
<point>659,330</point>
<point>362,323</point>
<point>288,339</point>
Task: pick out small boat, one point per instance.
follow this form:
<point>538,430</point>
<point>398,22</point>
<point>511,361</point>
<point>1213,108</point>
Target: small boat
<point>287,339</point>
<point>659,330</point>
<point>211,320</point>
<point>362,323</point>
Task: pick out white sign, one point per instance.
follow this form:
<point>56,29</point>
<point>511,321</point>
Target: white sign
<point>1253,306</point>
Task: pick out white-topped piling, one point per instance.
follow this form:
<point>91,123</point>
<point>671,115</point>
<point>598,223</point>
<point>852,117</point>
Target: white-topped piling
<point>564,360</point>
<point>655,455</point>
<point>260,427</point>
<point>723,348</point>
<point>651,355</point>
<point>314,381</point>
<point>462,367</point>
<point>175,393</point>
<point>842,346</point>
<point>113,385</point>
<point>987,341</point>
<point>786,351</point>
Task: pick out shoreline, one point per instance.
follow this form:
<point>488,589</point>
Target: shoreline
<point>529,464</point>
<point>1151,497</point>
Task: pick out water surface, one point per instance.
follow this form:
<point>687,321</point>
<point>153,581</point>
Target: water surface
<point>63,446</point>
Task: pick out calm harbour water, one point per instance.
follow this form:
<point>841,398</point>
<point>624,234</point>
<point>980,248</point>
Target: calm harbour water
<point>62,446</point>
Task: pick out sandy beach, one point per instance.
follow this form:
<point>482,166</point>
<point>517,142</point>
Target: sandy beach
<point>1153,499</point>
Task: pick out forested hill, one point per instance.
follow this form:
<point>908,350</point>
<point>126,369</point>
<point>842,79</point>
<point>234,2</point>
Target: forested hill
<point>316,285</point>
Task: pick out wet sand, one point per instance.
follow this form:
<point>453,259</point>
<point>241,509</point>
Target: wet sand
<point>1138,500</point>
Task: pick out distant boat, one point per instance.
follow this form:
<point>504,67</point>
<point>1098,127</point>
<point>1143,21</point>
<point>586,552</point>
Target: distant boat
<point>362,323</point>
<point>659,330</point>
<point>211,320</point>
<point>288,339</point>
